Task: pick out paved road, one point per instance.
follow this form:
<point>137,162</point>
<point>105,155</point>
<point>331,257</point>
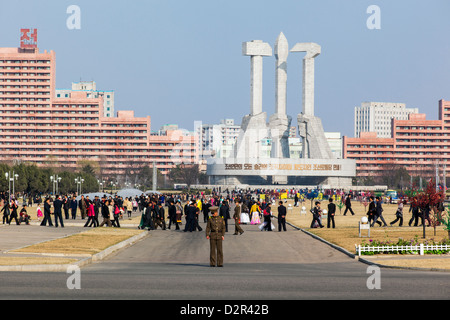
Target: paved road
<point>258,266</point>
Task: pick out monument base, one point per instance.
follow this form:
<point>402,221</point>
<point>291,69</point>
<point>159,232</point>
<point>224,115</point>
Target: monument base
<point>275,180</point>
<point>229,171</point>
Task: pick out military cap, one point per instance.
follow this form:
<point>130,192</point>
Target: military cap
<point>213,208</point>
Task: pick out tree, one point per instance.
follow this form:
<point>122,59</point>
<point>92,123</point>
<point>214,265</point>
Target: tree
<point>394,175</point>
<point>37,180</point>
<point>428,201</point>
<point>445,220</point>
<point>90,183</point>
<point>185,173</point>
<point>313,194</point>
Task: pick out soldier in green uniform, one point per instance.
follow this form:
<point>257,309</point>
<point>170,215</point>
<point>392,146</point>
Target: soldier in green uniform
<point>215,233</point>
<point>237,217</point>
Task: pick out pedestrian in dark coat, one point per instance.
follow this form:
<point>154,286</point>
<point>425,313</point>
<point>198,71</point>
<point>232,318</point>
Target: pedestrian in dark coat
<point>57,205</point>
<point>348,205</point>
<point>97,208</point>
<point>316,215</point>
<point>281,216</point>
<point>197,216</point>
<point>148,219</point>
<point>190,212</point>
<point>13,212</point>
<point>160,217</point>
<point>6,212</point>
<point>224,212</point>
<point>414,208</point>
<point>331,213</point>
<point>372,211</point>
<point>379,213</point>
<point>205,208</point>
<point>105,213</point>
<point>173,215</point>
<point>47,214</point>
<point>66,206</point>
<point>73,207</point>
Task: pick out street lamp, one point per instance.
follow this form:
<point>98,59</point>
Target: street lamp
<point>79,181</point>
<point>55,179</point>
<point>10,178</point>
<point>15,177</point>
<point>7,174</point>
<point>102,184</point>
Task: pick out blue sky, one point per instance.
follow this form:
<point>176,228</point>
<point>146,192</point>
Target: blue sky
<point>181,61</point>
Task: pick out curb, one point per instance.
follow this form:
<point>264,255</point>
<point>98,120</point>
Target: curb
<point>81,263</point>
<point>351,255</point>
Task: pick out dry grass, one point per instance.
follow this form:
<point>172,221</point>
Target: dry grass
<point>85,243</point>
<point>430,263</point>
<point>15,261</point>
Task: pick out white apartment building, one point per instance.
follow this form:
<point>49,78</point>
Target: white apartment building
<point>376,117</point>
<point>91,88</point>
<point>335,142</point>
<point>217,140</point>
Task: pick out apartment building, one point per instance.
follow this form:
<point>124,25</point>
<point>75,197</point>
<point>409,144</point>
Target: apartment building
<point>417,144</point>
<point>91,88</point>
<point>39,127</point>
<point>377,116</point>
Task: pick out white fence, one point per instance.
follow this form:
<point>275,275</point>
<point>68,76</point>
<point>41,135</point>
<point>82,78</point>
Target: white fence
<point>421,248</point>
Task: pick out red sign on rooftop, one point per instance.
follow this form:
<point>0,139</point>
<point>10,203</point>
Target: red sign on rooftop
<point>28,38</point>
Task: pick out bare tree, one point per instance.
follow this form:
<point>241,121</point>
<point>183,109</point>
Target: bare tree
<point>185,173</point>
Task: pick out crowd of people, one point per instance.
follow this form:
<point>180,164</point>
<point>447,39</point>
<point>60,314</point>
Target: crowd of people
<point>250,207</point>
<point>111,209</point>
<point>193,208</point>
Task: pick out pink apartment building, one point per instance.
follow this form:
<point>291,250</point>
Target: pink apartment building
<point>418,144</point>
<point>37,127</point>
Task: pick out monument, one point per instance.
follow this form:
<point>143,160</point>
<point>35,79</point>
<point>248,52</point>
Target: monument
<point>280,122</point>
<point>315,145</point>
<point>254,126</point>
<point>248,165</point>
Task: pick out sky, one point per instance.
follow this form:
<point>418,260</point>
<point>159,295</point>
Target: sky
<point>181,61</point>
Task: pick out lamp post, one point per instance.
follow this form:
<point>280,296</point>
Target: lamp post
<point>79,181</point>
<point>55,179</point>
<point>10,178</point>
<point>9,183</point>
<point>444,179</point>
<point>15,177</point>
<point>102,185</point>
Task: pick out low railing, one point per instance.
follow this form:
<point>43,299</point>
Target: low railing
<point>420,248</point>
